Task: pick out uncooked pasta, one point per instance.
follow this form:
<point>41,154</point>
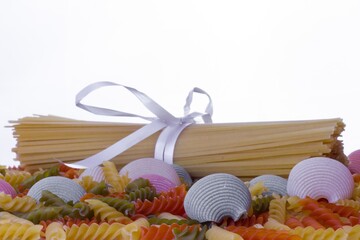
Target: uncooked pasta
<point>243,149</point>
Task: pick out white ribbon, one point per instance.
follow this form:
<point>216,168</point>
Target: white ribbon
<point>165,145</point>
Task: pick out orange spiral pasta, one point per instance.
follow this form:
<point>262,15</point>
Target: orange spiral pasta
<point>248,221</point>
<point>322,214</point>
<point>293,222</point>
<point>163,231</point>
<point>311,222</point>
<point>343,211</point>
<point>172,202</point>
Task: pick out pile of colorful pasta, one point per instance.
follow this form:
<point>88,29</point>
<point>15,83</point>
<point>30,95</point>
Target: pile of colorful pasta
<point>143,203</point>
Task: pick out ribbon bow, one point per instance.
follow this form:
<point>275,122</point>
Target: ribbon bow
<point>172,126</point>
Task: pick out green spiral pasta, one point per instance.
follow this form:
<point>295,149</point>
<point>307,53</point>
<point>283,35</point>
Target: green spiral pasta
<point>261,203</point>
<point>29,182</point>
<point>120,205</point>
<point>50,199</point>
<point>190,234</point>
<point>42,213</point>
<point>78,210</point>
<point>137,184</point>
<point>148,193</point>
<point>100,189</point>
<point>159,221</point>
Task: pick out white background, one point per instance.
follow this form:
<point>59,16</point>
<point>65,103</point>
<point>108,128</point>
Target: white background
<point>259,60</point>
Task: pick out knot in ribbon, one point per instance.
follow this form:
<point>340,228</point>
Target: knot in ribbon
<point>171,125</point>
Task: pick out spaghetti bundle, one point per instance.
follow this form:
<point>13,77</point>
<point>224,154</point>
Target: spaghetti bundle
<point>243,149</point>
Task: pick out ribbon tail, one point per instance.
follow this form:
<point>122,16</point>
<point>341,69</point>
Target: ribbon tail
<point>168,154</point>
<point>120,146</point>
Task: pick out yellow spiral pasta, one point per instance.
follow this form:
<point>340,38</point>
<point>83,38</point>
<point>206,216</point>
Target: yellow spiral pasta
<point>17,204</point>
<point>6,217</point>
<point>132,231</point>
<point>15,177</point>
<point>106,212</point>
<point>310,233</point>
<point>293,204</point>
<point>94,231</point>
<point>356,192</point>
<point>87,182</point>
<point>274,224</point>
<point>257,189</point>
<point>216,233</point>
<point>277,209</point>
<point>349,203</point>
<point>112,177</point>
<point>167,215</point>
<point>20,231</point>
<point>354,233</point>
<point>55,231</point>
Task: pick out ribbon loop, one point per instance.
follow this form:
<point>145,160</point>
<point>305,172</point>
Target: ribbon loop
<point>165,145</point>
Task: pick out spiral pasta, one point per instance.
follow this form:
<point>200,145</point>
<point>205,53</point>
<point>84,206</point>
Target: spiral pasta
<point>323,215</point>
<point>17,204</point>
<point>87,183</point>
<point>29,182</point>
<point>15,177</point>
<point>356,192</point>
<point>274,224</point>
<point>132,230</point>
<point>349,203</point>
<point>277,209</point>
<point>94,231</point>
<point>54,231</point>
<point>197,233</point>
<point>163,231</point>
<point>293,204</point>
<point>161,204</point>
<point>137,184</point>
<point>6,217</point>
<point>142,194</point>
<point>112,177</point>
<point>106,213</point>
<point>120,205</point>
<point>309,233</point>
<point>215,233</point>
<point>20,231</point>
<point>262,233</point>
<point>42,213</point>
<point>248,221</point>
<point>354,233</point>
<point>261,203</point>
<point>257,189</point>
